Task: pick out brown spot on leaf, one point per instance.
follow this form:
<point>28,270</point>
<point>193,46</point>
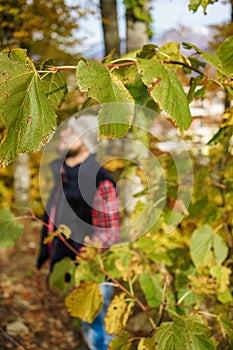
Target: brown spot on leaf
<point>29,119</point>
<point>6,76</point>
<point>153,84</point>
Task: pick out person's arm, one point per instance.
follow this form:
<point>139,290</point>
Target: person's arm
<point>106,215</point>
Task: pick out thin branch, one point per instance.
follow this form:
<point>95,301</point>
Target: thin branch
<point>32,217</point>
<point>115,281</point>
<point>205,313</point>
<point>184,65</point>
<point>131,62</point>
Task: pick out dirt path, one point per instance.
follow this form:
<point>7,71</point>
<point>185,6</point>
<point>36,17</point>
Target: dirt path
<point>32,317</point>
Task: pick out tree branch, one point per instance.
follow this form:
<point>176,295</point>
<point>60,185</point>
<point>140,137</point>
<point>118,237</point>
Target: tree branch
<point>113,64</point>
<point>184,65</point>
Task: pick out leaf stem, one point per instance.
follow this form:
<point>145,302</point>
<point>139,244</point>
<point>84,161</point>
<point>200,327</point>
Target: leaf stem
<point>123,59</point>
<point>163,301</point>
<point>183,297</point>
<point>56,69</point>
<point>120,64</point>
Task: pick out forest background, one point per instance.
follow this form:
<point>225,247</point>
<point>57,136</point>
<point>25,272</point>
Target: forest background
<point>181,282</point>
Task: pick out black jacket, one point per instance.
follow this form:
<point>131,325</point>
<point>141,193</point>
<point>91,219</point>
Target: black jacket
<point>72,196</point>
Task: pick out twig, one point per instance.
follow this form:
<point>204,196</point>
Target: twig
<point>14,342</point>
<point>115,281</point>
<point>184,65</point>
<point>113,64</point>
<point>32,216</point>
<point>205,313</point>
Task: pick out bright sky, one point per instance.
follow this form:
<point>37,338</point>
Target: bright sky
<point>170,14</point>
<point>167,14</point>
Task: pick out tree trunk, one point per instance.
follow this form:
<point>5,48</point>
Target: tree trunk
<point>110,27</point>
<point>22,183</point>
<point>137,29</point>
<point>231,2</point>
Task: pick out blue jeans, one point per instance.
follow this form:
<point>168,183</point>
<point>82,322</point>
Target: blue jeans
<point>95,334</point>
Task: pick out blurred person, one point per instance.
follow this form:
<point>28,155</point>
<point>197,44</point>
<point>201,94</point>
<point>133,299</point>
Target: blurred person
<point>85,199</point>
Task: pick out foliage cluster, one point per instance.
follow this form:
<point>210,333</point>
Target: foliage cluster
<point>139,9</point>
<point>181,281</point>
<point>24,24</point>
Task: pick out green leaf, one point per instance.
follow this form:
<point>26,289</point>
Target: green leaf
<point>188,333</point>
<point>195,4</point>
<point>148,51</point>
<point>172,335</point>
<point>61,269</point>
<point>12,63</point>
<point>116,114</point>
<point>120,342</point>
<point>195,325</point>
<point>225,54</point>
<point>214,60</point>
<point>10,229</point>
<point>207,248</point>
<point>226,326</point>
<point>27,113</point>
<point>198,334</point>
<point>115,119</point>
<point>117,261</point>
<point>218,136</point>
<point>166,90</point>
<point>194,82</point>
<point>171,51</point>
<point>139,91</point>
<point>54,84</point>
<point>200,342</point>
<point>85,302</point>
<point>147,344</point>
<point>84,271</point>
<point>152,288</point>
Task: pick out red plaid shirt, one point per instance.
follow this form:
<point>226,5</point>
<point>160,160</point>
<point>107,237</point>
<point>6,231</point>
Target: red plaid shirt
<point>105,214</point>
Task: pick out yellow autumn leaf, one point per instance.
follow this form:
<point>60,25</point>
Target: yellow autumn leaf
<point>117,314</point>
<point>202,284</point>
<point>65,230</point>
<point>62,229</point>
<point>85,302</point>
<point>50,237</point>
